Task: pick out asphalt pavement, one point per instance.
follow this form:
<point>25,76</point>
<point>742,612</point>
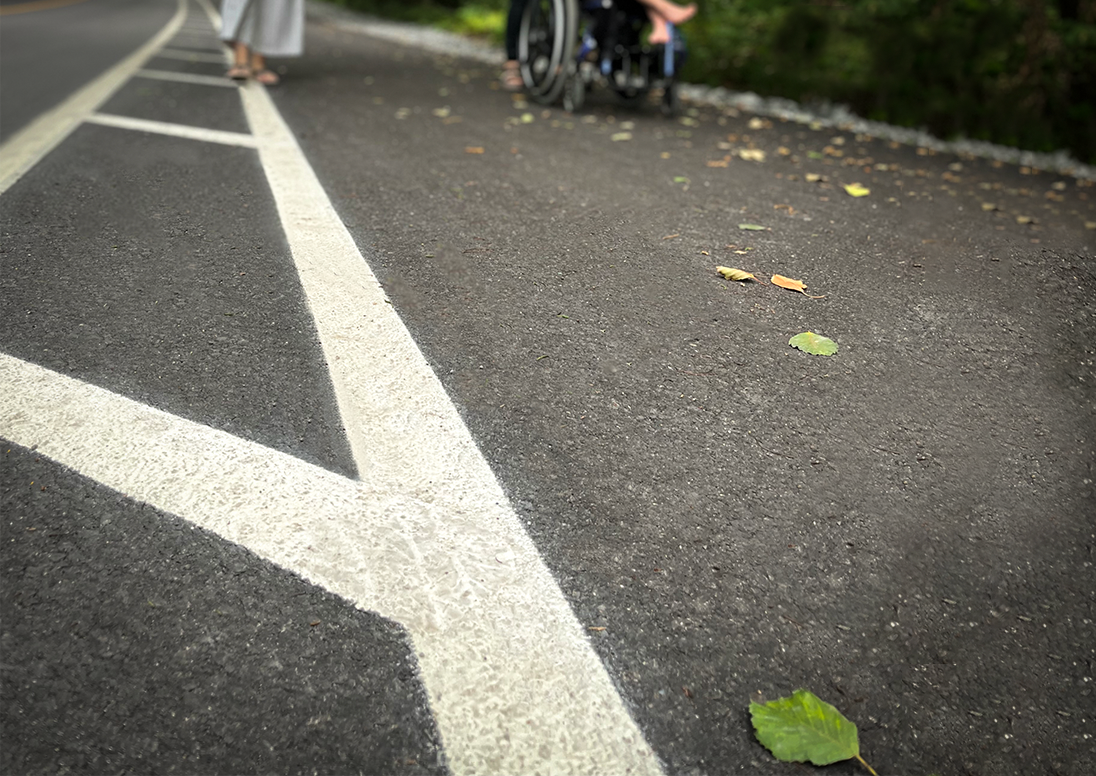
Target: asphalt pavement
<point>907,528</point>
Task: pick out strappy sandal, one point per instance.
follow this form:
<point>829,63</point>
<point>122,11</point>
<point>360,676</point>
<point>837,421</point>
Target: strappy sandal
<point>239,72</point>
<point>267,77</point>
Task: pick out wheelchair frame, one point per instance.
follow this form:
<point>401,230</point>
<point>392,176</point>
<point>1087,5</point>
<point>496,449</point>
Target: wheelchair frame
<point>609,51</point>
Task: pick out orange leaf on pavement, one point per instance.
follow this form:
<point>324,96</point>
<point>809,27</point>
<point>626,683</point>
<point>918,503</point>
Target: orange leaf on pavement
<point>792,285</point>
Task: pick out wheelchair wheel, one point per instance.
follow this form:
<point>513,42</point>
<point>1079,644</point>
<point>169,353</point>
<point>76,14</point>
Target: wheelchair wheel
<point>546,46</point>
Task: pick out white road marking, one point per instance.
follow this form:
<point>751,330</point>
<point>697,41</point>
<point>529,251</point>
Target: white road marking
<point>175,130</point>
<point>29,145</point>
<point>185,78</point>
<point>513,681</point>
<point>514,686</point>
<point>426,537</point>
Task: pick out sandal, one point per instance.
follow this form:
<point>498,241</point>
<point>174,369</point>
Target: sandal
<point>267,77</point>
<point>239,72</point>
<point>511,78</point>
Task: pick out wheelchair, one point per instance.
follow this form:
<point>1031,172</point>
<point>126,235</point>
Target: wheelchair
<point>567,46</point>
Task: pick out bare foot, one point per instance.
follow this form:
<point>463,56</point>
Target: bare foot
<point>660,33</point>
<point>677,14</point>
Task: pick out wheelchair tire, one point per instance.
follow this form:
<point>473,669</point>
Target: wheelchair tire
<point>546,47</point>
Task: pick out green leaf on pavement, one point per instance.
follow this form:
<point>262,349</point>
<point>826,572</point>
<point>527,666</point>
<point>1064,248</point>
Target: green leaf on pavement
<point>753,227</point>
<point>804,728</point>
<point>816,345</point>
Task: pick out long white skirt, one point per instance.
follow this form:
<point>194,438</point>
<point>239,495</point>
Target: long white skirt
<point>273,28</point>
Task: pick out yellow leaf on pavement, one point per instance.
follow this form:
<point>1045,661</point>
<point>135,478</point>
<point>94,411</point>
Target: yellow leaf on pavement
<point>732,273</point>
<point>856,190</point>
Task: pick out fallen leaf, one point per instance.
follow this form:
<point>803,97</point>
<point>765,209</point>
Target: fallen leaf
<point>804,728</point>
<point>752,154</point>
<point>753,227</point>
<point>718,163</point>
<point>441,113</point>
<point>732,273</point>
<point>671,236</point>
<point>792,285</point>
<point>596,628</point>
<point>1024,219</point>
<point>621,136</point>
<point>856,190</point>
<point>680,179</point>
<point>813,177</point>
<point>988,206</point>
<point>815,344</point>
<point>527,118</point>
<point>473,149</point>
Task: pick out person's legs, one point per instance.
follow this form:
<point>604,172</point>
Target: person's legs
<point>240,57</point>
<point>511,75</point>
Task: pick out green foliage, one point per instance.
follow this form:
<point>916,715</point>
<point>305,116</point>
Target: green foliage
<point>804,728</point>
<point>1018,72</point>
<point>483,18</point>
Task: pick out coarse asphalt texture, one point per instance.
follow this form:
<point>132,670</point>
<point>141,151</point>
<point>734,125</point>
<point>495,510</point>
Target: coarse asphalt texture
<point>906,528</point>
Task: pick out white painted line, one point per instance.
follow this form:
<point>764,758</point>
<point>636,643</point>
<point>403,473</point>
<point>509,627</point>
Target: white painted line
<point>174,130</point>
<point>27,147</point>
<point>514,685</point>
<point>186,78</point>
<point>190,56</point>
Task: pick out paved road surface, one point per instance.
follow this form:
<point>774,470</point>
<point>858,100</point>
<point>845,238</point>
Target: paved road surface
<point>417,433</point>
